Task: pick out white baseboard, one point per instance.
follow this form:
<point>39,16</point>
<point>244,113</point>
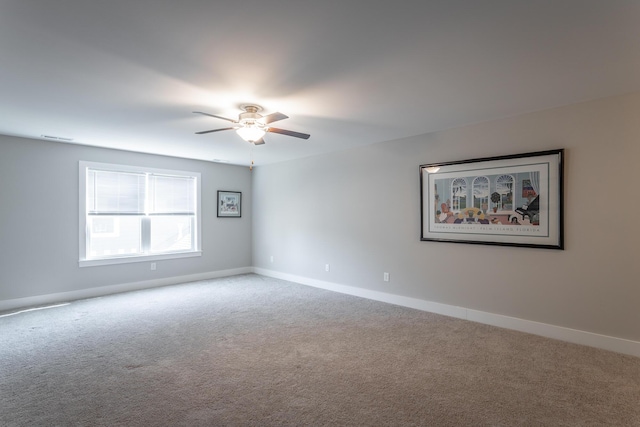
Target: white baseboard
<point>619,345</point>
<point>12,304</point>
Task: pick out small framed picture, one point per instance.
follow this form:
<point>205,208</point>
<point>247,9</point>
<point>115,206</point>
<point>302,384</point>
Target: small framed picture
<point>229,204</point>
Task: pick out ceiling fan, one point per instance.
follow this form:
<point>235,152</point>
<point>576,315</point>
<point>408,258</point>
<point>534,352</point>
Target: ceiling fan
<point>252,126</point>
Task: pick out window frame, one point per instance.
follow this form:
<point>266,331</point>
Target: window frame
<point>146,257</point>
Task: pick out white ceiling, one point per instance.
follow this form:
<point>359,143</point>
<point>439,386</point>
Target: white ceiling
<point>127,74</point>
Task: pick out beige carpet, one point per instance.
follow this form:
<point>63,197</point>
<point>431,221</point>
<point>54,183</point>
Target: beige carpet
<point>255,351</point>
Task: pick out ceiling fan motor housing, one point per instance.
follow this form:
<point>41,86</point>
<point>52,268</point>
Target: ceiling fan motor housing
<point>251,115</point>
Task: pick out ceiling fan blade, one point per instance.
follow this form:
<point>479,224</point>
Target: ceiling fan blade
<point>217,117</point>
<point>259,142</point>
<point>289,133</point>
<point>214,130</point>
<point>273,117</point>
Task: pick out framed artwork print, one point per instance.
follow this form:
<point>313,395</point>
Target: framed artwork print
<point>229,204</point>
<point>514,200</point>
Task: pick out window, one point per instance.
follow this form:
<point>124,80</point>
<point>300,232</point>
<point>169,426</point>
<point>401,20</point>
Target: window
<point>130,214</point>
<point>459,194</point>
<point>504,187</point>
<point>481,193</point>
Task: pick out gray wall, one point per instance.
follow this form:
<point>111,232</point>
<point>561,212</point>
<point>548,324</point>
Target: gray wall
<point>358,210</point>
<point>39,219</point>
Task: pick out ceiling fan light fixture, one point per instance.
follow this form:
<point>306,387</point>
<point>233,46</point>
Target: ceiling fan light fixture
<point>250,133</point>
<point>252,126</point>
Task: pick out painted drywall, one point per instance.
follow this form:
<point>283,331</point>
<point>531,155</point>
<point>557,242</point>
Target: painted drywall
<point>39,220</point>
<point>359,211</point>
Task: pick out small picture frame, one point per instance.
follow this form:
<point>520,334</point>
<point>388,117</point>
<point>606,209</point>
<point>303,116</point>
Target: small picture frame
<point>229,204</point>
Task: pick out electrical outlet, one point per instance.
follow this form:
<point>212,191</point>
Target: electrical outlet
<point>271,258</point>
<point>386,276</point>
<point>153,266</point>
<point>327,267</point>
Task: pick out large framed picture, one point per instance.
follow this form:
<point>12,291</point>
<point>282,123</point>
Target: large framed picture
<point>514,200</point>
<point>229,204</point>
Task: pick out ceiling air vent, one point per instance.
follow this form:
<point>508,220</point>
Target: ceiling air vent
<point>57,138</point>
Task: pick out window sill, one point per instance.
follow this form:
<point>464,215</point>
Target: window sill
<point>137,258</point>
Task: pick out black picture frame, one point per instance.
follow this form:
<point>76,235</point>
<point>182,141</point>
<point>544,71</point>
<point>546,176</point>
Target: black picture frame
<point>229,204</point>
<point>513,200</point>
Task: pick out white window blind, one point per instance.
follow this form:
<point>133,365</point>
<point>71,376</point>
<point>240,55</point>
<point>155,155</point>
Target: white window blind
<point>110,192</point>
<point>172,194</point>
<point>137,212</point>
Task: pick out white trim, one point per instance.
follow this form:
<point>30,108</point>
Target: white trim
<point>46,307</point>
<point>137,258</point>
<point>575,336</point>
<point>619,345</point>
<point>13,304</point>
<point>433,307</point>
<point>605,342</point>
